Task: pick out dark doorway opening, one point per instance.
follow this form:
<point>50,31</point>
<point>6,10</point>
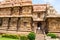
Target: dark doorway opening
<point>39,24</point>
<point>39,27</point>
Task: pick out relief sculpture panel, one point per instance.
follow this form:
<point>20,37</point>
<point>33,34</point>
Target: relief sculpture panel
<point>25,24</point>
<point>5,11</point>
<point>54,25</point>
<point>26,10</point>
<point>13,24</point>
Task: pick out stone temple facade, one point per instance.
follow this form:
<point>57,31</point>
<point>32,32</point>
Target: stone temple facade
<point>23,16</point>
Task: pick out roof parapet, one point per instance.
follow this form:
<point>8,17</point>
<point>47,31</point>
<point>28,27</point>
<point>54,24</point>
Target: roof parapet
<point>12,3</point>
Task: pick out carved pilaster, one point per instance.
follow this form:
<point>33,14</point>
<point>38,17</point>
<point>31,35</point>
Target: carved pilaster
<point>9,23</point>
<point>18,24</point>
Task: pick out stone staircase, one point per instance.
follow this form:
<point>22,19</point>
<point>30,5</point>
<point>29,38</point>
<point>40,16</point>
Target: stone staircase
<point>39,37</point>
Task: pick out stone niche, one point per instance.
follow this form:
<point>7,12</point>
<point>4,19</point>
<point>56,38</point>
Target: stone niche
<point>54,25</point>
<point>5,11</point>
<point>13,24</point>
<point>15,11</point>
<point>26,10</point>
<point>25,24</point>
<point>3,23</point>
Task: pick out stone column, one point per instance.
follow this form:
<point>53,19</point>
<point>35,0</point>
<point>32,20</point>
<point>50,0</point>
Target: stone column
<point>35,27</point>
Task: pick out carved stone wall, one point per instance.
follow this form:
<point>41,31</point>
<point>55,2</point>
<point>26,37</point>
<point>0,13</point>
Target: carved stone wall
<point>15,11</point>
<point>39,16</point>
<point>34,27</point>
<point>3,23</point>
<point>5,11</point>
<point>26,2</point>
<point>54,25</point>
<point>25,24</point>
<point>19,17</point>
<point>13,24</point>
<point>26,10</point>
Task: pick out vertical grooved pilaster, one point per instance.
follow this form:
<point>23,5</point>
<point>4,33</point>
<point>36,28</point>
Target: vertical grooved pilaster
<point>18,24</point>
<point>9,23</point>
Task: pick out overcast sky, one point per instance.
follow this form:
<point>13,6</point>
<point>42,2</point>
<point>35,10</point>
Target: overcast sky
<point>55,3</point>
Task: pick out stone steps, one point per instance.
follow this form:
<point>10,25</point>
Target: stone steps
<point>39,37</point>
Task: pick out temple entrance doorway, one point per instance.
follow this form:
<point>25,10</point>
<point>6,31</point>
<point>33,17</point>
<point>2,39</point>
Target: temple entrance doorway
<point>39,28</point>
